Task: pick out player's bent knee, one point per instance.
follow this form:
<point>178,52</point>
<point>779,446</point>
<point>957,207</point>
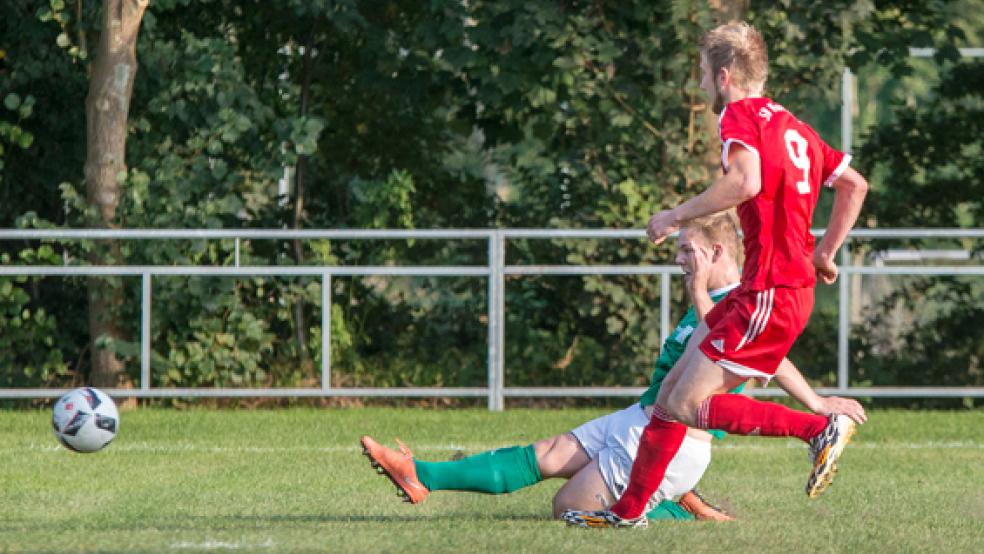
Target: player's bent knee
<point>682,408</point>
<point>586,490</point>
<point>559,456</point>
<point>559,505</point>
<point>546,454</point>
<point>567,498</point>
<point>570,499</point>
<point>542,447</point>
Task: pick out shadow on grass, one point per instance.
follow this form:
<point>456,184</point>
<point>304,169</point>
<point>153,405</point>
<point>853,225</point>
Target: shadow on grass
<point>232,521</point>
<point>376,518</point>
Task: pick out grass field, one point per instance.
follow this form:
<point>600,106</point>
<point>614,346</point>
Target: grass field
<point>294,481</point>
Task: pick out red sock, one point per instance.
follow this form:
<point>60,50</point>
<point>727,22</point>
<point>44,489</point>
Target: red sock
<point>742,415</point>
<point>660,441</point>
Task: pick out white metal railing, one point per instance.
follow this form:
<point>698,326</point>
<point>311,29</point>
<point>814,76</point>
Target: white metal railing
<point>495,271</point>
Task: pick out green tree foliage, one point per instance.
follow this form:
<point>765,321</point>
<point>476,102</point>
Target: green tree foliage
<point>398,114</point>
<point>931,155</point>
<point>41,145</point>
<point>873,39</point>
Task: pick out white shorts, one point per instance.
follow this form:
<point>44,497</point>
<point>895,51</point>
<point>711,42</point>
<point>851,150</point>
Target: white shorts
<point>614,441</point>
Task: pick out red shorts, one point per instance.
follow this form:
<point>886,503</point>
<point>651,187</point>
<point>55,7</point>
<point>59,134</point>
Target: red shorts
<point>751,331</point>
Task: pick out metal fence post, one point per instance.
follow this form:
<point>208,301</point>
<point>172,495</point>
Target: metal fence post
<point>145,284</point>
<point>496,321</point>
<point>664,306</point>
<point>847,111</point>
<point>326,331</point>
<point>844,319</point>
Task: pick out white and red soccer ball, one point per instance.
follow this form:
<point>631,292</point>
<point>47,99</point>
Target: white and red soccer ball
<point>85,420</point>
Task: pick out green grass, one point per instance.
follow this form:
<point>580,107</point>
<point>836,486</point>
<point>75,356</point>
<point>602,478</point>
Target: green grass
<point>294,480</point>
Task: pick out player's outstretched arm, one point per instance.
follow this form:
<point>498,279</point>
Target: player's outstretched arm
<point>742,182</point>
<point>792,381</point>
<point>849,192</point>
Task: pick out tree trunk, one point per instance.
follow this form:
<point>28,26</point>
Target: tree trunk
<point>106,106</point>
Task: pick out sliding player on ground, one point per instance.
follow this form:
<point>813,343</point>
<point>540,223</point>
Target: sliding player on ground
<point>596,457</point>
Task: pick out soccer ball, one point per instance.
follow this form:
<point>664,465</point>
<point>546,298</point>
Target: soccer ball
<point>85,420</point>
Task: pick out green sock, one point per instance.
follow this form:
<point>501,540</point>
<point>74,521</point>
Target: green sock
<point>494,472</point>
<point>668,509</point>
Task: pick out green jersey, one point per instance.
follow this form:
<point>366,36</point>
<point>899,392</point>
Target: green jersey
<point>673,348</point>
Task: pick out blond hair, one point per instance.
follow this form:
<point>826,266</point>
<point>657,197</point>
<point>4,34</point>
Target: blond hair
<point>740,49</point>
<point>718,228</point>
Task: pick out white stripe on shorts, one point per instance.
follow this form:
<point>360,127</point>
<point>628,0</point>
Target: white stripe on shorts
<point>760,317</point>
<point>770,295</point>
<point>752,320</point>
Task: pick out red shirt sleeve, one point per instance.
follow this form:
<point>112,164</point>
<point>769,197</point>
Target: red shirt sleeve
<point>738,126</point>
<point>834,163</point>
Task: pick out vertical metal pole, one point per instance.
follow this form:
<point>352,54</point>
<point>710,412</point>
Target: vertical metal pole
<point>500,347</point>
<point>843,316</point>
<point>847,115</point>
<point>145,283</point>
<point>496,317</point>
<point>325,331</point>
<point>236,256</point>
<point>492,322</point>
<point>844,309</point>
<point>664,307</point>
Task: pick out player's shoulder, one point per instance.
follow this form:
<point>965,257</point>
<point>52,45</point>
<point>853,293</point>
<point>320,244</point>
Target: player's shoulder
<point>767,111</point>
<point>735,112</point>
<point>778,120</point>
<point>747,107</point>
<point>757,111</point>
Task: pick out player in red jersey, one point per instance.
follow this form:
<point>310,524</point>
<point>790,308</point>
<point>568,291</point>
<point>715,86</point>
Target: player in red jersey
<point>774,166</point>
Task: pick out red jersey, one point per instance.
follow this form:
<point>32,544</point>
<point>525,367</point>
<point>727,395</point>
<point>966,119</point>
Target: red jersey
<point>795,162</point>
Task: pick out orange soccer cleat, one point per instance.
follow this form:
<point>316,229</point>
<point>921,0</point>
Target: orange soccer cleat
<point>701,509</point>
<point>398,467</point>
